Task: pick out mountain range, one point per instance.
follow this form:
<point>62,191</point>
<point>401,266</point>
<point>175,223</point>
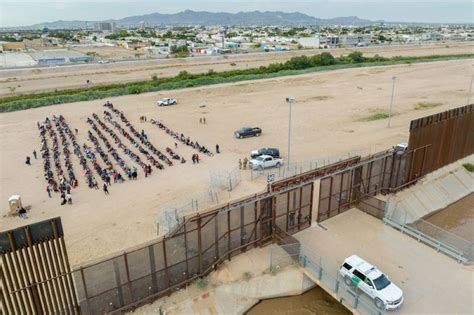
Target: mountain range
<point>191,18</point>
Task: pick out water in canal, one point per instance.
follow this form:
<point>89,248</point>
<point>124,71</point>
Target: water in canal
<point>457,218</point>
<point>314,301</point>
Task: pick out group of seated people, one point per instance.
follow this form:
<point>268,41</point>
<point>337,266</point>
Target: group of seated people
<point>66,152</point>
<point>110,149</point>
<point>141,149</point>
<point>102,153</point>
<point>180,137</point>
<point>174,155</point>
<point>104,173</point>
<point>45,154</point>
<point>91,182</point>
<point>119,143</point>
<point>109,170</point>
<point>140,135</point>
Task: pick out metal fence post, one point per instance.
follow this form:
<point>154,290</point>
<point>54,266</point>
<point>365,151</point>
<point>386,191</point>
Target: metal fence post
<point>271,259</point>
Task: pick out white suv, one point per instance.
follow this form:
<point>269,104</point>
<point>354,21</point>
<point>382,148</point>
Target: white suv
<point>372,281</point>
<point>167,101</point>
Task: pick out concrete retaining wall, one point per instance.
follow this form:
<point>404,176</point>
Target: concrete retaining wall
<point>436,191</point>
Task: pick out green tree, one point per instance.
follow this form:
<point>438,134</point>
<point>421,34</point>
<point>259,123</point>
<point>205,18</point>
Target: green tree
<point>356,57</point>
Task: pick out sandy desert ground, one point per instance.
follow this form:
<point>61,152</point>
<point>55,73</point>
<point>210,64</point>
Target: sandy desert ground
<point>45,79</point>
<point>327,121</point>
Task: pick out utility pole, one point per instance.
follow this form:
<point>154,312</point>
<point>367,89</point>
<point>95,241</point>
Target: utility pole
<point>391,102</point>
<point>289,100</point>
<point>470,91</point>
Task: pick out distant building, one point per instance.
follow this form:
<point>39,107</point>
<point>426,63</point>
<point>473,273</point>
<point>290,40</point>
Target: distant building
<point>332,40</point>
<point>431,36</point>
<point>356,39</point>
<point>104,27</point>
<point>309,42</point>
<point>59,56</point>
<point>142,26</point>
<point>12,46</point>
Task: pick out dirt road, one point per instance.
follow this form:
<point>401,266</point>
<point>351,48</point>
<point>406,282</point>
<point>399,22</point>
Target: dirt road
<point>47,79</point>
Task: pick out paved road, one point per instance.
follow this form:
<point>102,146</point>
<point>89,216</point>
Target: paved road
<point>432,282</point>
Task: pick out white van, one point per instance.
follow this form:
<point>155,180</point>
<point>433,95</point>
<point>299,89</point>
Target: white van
<point>371,281</point>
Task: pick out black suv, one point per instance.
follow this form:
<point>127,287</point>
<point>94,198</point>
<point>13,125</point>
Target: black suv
<point>248,132</point>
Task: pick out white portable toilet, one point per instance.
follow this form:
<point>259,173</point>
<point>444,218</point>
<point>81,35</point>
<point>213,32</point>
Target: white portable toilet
<point>14,202</point>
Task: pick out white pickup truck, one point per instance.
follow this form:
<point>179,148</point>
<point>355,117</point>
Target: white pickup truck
<point>265,161</point>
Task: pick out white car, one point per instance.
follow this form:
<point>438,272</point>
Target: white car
<point>265,161</point>
<point>401,147</point>
<point>372,281</point>
<point>167,101</point>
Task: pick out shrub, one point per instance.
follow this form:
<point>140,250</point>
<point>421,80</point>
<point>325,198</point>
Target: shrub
<point>426,105</point>
<point>247,276</point>
<point>356,57</point>
<point>376,116</point>
<point>201,283</point>
<point>469,167</point>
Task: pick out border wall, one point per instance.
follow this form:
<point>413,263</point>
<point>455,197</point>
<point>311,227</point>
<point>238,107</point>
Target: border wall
<point>450,135</point>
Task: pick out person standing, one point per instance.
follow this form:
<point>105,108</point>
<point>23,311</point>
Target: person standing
<point>245,163</point>
<point>217,149</point>
<point>106,190</point>
<point>194,158</point>
<point>240,164</point>
<point>204,120</point>
<point>34,154</point>
<point>48,190</point>
<point>28,160</point>
<point>197,158</point>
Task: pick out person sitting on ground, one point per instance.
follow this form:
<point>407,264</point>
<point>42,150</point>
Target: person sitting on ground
<point>69,198</point>
<point>21,212</point>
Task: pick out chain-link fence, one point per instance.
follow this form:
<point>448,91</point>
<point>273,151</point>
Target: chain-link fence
<point>224,180</point>
<point>297,254</point>
<point>297,168</point>
<point>172,216</point>
<point>447,242</point>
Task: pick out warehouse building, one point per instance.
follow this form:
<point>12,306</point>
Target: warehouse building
<point>59,56</point>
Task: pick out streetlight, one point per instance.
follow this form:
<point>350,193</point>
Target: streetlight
<point>391,101</point>
<point>289,100</point>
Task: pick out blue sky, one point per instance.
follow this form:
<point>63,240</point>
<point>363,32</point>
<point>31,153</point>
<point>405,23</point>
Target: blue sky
<point>21,12</point>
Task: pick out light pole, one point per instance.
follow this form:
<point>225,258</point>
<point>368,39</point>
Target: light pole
<point>391,101</point>
<point>289,100</point>
<point>470,91</point>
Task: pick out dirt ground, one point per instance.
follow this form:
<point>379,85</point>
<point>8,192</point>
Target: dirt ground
<point>59,77</point>
<point>326,122</point>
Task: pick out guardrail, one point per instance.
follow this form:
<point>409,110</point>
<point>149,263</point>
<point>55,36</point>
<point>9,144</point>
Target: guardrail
<point>461,256</point>
<point>351,297</point>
